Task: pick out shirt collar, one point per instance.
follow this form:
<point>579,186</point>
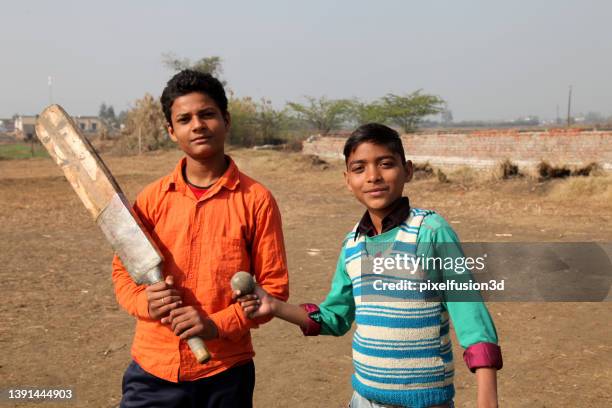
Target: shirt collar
<point>229,180</point>
<point>399,212</point>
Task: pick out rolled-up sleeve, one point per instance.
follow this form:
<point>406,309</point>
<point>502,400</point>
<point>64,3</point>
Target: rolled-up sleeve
<point>471,320</point>
<point>336,313</point>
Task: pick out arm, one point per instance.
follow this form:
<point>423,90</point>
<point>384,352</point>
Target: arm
<point>269,265</point>
<point>472,321</point>
<point>132,297</point>
<point>333,317</point>
<point>486,381</point>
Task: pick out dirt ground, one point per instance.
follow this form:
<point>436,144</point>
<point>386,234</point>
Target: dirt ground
<point>61,326</point>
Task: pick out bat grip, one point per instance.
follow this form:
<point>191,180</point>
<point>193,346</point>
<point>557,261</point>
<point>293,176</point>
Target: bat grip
<point>199,350</point>
<point>196,344</point>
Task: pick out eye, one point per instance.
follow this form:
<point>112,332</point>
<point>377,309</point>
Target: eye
<point>357,169</point>
<point>183,119</point>
<point>387,164</point>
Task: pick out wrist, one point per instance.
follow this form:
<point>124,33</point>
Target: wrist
<point>275,306</point>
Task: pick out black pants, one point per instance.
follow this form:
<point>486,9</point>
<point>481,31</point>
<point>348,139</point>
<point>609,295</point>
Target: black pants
<point>232,388</point>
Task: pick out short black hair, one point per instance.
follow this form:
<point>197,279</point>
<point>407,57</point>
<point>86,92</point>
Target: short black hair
<point>188,81</point>
<point>375,133</point>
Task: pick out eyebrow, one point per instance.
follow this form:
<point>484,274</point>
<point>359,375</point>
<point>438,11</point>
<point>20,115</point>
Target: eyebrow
<point>186,114</point>
<point>390,156</point>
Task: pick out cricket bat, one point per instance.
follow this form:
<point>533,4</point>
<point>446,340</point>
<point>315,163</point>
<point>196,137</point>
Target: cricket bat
<point>103,198</point>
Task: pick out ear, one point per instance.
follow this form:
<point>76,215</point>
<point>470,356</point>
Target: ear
<point>346,180</point>
<point>171,132</point>
<point>409,169</point>
<point>228,120</point>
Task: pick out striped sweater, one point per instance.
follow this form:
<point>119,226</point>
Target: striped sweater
<point>402,351</point>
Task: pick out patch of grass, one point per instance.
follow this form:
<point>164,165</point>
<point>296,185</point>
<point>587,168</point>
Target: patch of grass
<point>10,151</point>
<point>464,175</point>
<point>546,171</point>
<point>422,170</point>
<point>506,170</point>
<point>442,177</point>
<point>577,189</point>
<point>591,169</point>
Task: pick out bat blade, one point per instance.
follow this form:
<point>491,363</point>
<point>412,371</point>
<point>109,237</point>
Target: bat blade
<point>101,195</point>
<point>98,190</point>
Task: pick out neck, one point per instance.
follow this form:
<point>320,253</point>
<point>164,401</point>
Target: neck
<point>377,217</point>
<point>204,173</point>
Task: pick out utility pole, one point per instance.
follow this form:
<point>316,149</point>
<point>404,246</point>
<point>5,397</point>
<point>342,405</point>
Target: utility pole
<point>50,83</point>
<point>558,119</point>
<point>569,107</point>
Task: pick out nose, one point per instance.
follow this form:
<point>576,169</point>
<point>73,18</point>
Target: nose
<point>373,174</point>
<point>198,123</point>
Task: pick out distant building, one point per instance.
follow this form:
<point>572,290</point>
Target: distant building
<point>24,127</point>
<point>89,124</point>
<point>7,125</point>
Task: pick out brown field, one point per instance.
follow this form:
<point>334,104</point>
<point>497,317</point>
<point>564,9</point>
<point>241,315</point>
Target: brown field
<point>61,326</point>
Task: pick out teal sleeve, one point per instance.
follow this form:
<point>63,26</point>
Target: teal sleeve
<point>337,312</point>
<point>471,320</point>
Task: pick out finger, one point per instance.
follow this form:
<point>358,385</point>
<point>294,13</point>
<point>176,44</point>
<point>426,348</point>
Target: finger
<point>166,300</point>
<point>178,320</point>
<point>165,310</point>
<point>247,298</point>
<point>192,332</point>
<point>250,303</point>
<point>184,326</point>
<point>250,309</point>
<point>180,311</point>
<point>162,294</point>
<point>156,287</point>
<point>169,280</point>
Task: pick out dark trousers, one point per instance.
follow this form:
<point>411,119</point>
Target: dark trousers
<point>232,388</point>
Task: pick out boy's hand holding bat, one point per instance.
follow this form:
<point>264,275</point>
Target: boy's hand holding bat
<point>165,304</point>
<point>162,298</point>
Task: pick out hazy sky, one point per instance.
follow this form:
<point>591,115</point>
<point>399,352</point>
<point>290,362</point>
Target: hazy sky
<point>488,59</point>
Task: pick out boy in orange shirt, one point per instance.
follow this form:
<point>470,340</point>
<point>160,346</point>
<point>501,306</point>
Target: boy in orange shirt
<point>209,220</point>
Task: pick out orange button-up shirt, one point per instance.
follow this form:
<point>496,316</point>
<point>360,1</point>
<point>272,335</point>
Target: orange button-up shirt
<point>235,226</point>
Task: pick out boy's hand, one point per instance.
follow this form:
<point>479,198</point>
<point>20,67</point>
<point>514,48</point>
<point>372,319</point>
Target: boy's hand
<point>186,322</point>
<point>162,298</point>
<point>257,304</point>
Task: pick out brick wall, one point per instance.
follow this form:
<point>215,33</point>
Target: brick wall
<point>486,148</point>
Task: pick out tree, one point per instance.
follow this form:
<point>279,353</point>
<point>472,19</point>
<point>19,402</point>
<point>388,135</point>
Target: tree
<point>108,117</point>
<point>255,123</point>
<point>208,65</point>
<point>269,122</point>
<point>362,112</point>
<point>446,115</point>
<point>145,126</point>
<point>323,114</point>
<point>407,111</point>
<point>243,111</point>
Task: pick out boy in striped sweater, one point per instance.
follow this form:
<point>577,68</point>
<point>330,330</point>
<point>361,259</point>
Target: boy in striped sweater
<point>402,354</point>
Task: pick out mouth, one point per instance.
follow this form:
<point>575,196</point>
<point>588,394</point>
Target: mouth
<point>377,192</point>
<point>201,139</point>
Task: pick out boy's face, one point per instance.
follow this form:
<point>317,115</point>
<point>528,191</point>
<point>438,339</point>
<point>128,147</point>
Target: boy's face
<point>376,176</point>
<point>198,126</point>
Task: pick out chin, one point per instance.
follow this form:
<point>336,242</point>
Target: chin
<point>205,153</point>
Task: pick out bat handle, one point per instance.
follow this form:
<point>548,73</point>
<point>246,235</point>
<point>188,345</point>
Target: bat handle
<point>196,344</point>
<point>199,350</point>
